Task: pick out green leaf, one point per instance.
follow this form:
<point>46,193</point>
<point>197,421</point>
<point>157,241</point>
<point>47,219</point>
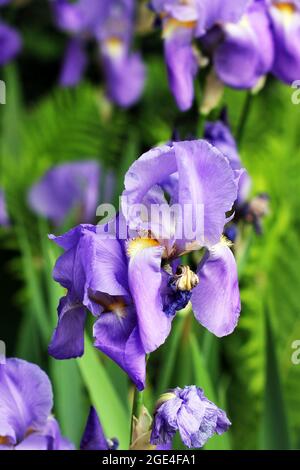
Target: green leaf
<point>70,407</point>
<point>275,434</point>
<point>112,412</point>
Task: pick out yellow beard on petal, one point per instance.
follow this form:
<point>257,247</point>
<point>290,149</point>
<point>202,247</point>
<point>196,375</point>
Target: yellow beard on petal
<point>114,47</point>
<point>119,308</point>
<point>138,244</point>
<point>4,441</point>
<point>286,7</point>
<point>172,24</point>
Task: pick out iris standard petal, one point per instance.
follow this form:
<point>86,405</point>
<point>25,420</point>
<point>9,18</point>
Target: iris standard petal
<point>79,17</point>
<point>211,12</point>
<point>25,399</point>
<point>151,168</point>
<point>216,299</point>
<point>205,180</point>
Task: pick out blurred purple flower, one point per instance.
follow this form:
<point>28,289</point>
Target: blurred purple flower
<point>246,210</point>
<point>285,21</point>
<point>188,411</point>
<point>10,43</point>
<point>181,23</point>
<point>194,173</point>
<point>4,219</point>
<point>219,135</point>
<point>81,17</point>
<point>67,187</point>
<point>93,437</point>
<point>74,64</point>
<point>111,25</point>
<point>25,407</point>
<point>246,52</point>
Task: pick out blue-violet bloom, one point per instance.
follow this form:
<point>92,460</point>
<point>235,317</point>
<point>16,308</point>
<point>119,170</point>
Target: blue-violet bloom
<point>181,23</point>
<point>188,411</point>
<point>67,187</point>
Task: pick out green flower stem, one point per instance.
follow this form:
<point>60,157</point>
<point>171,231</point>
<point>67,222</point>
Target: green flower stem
<point>244,117</point>
<point>138,401</point>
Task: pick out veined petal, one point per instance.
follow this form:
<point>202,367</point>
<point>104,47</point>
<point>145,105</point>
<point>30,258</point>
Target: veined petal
<point>68,337</point>
<point>151,168</point>
<point>118,337</point>
<point>205,179</point>
<point>145,280</point>
<point>216,299</point>
<point>25,399</point>
<point>34,441</point>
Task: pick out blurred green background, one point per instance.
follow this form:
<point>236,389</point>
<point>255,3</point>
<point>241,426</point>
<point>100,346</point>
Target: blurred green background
<point>250,374</point>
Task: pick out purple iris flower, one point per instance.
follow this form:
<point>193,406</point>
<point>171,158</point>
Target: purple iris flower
<point>67,187</point>
<point>25,409</point>
<point>80,17</point>
<point>135,283</point>
<point>285,20</point>
<point>111,25</point>
<point>124,70</point>
<point>246,53</point>
<point>10,43</point>
<point>181,23</point>
<point>93,437</point>
<point>188,411</point>
<point>95,273</point>
<point>219,134</point>
<point>4,220</point>
<point>194,174</point>
<point>10,40</point>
